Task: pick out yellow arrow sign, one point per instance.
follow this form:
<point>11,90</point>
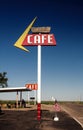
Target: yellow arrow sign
<point>19,42</point>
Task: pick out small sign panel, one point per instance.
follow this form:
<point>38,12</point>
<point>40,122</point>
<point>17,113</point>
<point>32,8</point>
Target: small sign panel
<point>57,107</point>
<point>32,86</point>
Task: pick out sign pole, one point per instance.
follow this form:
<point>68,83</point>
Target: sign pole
<point>40,37</point>
<point>39,84</point>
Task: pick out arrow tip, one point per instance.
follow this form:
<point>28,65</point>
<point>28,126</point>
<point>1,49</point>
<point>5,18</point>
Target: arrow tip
<point>21,47</point>
<point>19,42</point>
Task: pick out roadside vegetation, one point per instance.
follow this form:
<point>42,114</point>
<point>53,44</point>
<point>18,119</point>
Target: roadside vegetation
<point>12,102</point>
<point>3,80</point>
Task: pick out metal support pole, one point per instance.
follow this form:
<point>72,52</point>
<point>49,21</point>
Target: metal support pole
<point>17,100</point>
<point>20,98</point>
<point>39,85</point>
<point>28,97</point>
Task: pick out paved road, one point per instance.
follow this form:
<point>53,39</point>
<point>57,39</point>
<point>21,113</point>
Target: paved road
<point>75,110</point>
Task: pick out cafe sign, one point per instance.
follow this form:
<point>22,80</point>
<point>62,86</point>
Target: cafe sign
<point>39,36</point>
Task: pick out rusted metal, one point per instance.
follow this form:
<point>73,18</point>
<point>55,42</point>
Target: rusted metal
<point>40,29</point>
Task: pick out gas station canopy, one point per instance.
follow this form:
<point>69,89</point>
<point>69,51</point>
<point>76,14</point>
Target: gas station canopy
<point>14,89</point>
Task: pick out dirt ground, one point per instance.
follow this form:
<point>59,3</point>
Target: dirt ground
<point>26,119</point>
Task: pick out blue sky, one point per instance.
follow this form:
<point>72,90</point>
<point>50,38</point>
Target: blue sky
<point>62,65</point>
